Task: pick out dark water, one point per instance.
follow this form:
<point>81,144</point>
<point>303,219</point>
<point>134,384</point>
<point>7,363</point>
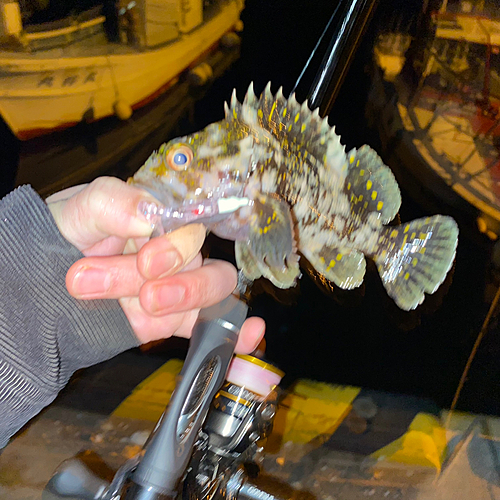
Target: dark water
<point>360,337</point>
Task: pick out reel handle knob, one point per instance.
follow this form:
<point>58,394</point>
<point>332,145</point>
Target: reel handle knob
<point>74,480</point>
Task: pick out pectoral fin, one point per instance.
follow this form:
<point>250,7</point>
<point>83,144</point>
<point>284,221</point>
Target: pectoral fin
<point>269,250</point>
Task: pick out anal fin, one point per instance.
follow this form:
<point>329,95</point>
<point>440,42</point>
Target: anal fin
<point>344,267</point>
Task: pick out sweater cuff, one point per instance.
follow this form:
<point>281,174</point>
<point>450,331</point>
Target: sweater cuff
<point>70,334</point>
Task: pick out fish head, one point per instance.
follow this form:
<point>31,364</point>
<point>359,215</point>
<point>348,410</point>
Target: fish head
<point>211,164</point>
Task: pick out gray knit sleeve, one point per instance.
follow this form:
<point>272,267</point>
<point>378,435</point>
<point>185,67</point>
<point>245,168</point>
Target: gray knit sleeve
<point>45,334</point>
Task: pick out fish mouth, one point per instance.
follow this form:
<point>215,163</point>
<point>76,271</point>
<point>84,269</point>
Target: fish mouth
<point>177,210</point>
<point>165,198</point>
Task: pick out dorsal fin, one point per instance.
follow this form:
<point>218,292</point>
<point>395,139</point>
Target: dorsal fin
<point>294,125</point>
<point>371,186</point>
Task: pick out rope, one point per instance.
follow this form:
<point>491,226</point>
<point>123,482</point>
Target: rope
<point>472,355</point>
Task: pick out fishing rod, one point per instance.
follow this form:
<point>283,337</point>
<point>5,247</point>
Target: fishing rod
<point>353,18</point>
<point>222,406</point>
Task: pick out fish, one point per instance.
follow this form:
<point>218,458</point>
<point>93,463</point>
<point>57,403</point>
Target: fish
<point>299,195</point>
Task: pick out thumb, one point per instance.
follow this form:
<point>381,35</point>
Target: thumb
<point>105,207</point>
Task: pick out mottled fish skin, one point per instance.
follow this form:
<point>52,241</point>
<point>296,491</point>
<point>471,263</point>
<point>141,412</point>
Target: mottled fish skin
<point>307,194</point>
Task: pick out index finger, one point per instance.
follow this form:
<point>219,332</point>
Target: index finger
<point>106,207</point>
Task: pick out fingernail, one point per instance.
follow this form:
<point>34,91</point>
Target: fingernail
<point>188,240</point>
<point>165,297</point>
<point>164,263</point>
<point>90,282</point>
<point>260,340</point>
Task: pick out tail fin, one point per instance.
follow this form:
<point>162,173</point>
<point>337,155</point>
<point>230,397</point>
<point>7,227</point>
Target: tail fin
<point>415,258</point>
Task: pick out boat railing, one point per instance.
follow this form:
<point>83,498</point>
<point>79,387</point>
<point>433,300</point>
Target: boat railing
<point>62,32</point>
<point>447,108</point>
<point>468,89</point>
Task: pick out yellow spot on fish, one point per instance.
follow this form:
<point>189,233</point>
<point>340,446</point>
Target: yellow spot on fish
<point>272,110</point>
<point>322,259</point>
<point>374,195</point>
<point>289,128</point>
<point>260,113</point>
<point>407,275</point>
<point>361,172</point>
<point>414,262</point>
<point>360,197</point>
<point>422,250</point>
<point>422,236</point>
<point>404,242</point>
<point>357,163</point>
<point>348,186</point>
<point>413,235</point>
<point>274,215</point>
<point>351,159</point>
<point>284,112</point>
<point>366,204</point>
<point>160,171</point>
<point>234,113</point>
<point>380,204</point>
<point>269,220</point>
<point>407,228</point>
<point>266,229</point>
<point>322,141</point>
<point>394,233</point>
<point>296,119</point>
<point>303,127</point>
<point>331,265</point>
<point>339,256</point>
<point>369,185</point>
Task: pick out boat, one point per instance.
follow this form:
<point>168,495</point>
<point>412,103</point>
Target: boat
<point>436,104</point>
<point>78,99</point>
<point>55,75</point>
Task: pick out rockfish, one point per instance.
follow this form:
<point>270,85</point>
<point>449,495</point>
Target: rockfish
<point>297,190</point>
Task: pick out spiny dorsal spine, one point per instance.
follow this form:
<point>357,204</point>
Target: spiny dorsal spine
<point>296,127</point>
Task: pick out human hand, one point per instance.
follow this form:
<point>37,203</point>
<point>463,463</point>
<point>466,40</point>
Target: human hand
<point>161,283</point>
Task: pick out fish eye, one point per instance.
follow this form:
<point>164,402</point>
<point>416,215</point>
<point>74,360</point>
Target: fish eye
<point>180,157</point>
